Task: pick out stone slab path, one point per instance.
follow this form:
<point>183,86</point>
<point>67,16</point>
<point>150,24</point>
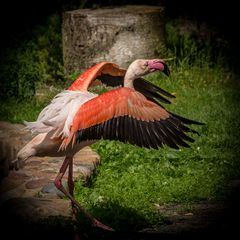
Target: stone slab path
<point>30,190</point>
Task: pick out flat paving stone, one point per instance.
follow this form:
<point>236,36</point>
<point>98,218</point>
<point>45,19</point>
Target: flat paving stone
<point>30,191</point>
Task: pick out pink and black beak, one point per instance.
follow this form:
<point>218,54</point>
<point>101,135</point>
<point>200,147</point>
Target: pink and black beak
<point>158,65</point>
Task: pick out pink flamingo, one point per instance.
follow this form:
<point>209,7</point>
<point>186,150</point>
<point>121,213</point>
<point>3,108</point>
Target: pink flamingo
<point>131,113</point>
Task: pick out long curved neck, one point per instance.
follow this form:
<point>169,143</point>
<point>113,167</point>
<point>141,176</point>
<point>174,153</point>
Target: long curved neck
<point>130,76</point>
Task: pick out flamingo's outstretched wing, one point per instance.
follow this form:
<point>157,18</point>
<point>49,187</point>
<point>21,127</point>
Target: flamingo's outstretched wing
<point>126,115</point>
<point>87,78</point>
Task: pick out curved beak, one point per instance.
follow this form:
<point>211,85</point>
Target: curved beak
<point>158,64</point>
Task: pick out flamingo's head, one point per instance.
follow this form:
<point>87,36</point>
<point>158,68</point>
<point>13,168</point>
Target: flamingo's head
<point>23,155</point>
<point>157,65</point>
<point>141,67</point>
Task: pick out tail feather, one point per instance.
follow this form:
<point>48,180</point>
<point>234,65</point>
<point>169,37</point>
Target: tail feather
<point>66,141</point>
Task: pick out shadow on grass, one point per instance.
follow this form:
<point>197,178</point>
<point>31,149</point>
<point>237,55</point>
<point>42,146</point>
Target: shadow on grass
<point>222,221</point>
<point>22,224</point>
<point>126,222</point>
<point>116,216</point>
<point>218,219</point>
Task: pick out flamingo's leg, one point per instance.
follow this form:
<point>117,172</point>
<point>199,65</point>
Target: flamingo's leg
<point>58,184</point>
<point>70,176</point>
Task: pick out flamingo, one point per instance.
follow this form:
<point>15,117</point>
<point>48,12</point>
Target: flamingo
<point>131,113</point>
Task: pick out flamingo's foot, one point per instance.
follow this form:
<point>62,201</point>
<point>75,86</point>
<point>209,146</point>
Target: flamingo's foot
<point>94,221</point>
<point>98,224</point>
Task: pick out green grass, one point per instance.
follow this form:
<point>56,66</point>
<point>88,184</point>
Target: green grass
<point>131,181</point>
